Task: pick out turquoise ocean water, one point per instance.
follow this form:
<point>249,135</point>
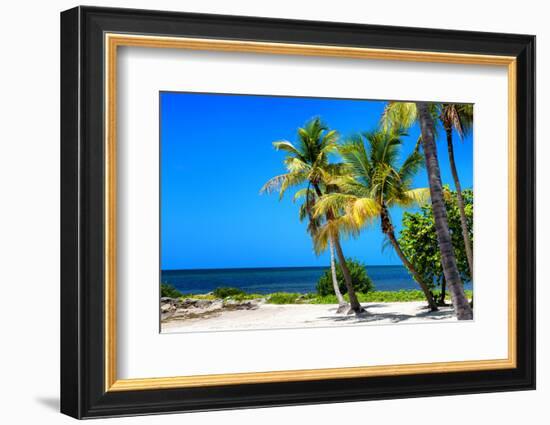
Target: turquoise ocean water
<point>280,279</point>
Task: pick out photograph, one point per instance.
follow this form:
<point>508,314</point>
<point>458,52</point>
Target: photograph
<point>287,210</point>
<point>282,212</point>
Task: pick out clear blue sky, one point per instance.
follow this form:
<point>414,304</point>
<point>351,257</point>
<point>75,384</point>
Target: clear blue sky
<point>217,152</point>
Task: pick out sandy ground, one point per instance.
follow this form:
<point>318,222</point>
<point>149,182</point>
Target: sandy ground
<point>270,316</point>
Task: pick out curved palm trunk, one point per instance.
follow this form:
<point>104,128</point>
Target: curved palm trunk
<point>342,304</point>
<point>354,302</point>
<point>463,222</point>
<point>448,261</point>
<point>388,230</point>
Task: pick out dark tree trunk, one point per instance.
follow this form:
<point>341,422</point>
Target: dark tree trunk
<point>353,301</point>
<point>443,289</point>
<point>463,222</point>
<point>388,230</point>
<point>448,260</point>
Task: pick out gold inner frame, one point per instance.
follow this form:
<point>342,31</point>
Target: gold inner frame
<point>113,41</point>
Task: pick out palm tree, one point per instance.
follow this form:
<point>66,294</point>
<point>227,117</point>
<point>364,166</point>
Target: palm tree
<point>451,115</point>
<point>332,230</point>
<point>460,118</point>
<point>448,260</point>
<point>376,183</point>
<point>314,223</point>
<point>308,163</point>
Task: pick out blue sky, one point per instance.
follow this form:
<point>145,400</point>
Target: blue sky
<point>217,152</point>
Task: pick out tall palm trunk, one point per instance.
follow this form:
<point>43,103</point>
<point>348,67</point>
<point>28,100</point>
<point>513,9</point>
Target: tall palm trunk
<point>388,230</point>
<point>448,261</point>
<point>463,222</point>
<point>354,302</point>
<point>342,304</point>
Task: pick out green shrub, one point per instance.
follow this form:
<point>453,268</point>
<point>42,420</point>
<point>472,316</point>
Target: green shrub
<point>360,280</point>
<point>167,290</point>
<point>224,292</point>
<point>418,238</point>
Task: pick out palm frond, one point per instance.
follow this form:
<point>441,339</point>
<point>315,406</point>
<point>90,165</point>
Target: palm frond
<point>322,237</point>
<point>381,181</point>
<point>336,228</point>
<point>346,184</point>
<point>291,180</point>
<point>283,145</point>
<point>415,197</point>
<point>302,193</point>
<point>335,170</point>
<point>363,211</point>
<point>355,156</point>
<point>293,164</point>
<point>457,116</point>
<point>273,184</point>
<point>282,182</point>
<point>464,119</point>
<point>398,115</point>
<point>412,165</point>
<point>328,140</point>
<point>332,203</point>
<point>302,212</point>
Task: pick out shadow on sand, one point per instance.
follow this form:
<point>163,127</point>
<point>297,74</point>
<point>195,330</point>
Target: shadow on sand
<point>393,317</point>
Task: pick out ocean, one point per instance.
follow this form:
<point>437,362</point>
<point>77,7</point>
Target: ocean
<point>280,279</point>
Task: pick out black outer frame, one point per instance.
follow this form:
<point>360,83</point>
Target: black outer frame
<point>82,218</point>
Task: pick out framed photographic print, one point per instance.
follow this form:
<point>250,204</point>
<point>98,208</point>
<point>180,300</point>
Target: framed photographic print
<point>261,212</point>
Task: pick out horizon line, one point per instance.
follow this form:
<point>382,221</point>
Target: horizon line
<point>274,267</point>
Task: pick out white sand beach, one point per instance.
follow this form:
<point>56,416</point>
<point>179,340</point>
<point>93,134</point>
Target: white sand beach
<point>271,316</point>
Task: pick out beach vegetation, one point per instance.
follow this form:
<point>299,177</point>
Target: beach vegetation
<point>403,295</point>
<point>246,296</point>
<point>418,240</point>
<point>225,291</point>
<point>374,183</point>
<point>461,305</point>
<point>459,117</point>
<point>360,279</point>
<point>288,298</point>
<point>403,115</point>
<point>345,186</point>
<point>282,298</point>
<point>452,117</point>
<point>170,291</point>
<point>309,168</point>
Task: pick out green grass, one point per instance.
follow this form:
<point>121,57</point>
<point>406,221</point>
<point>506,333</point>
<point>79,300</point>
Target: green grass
<point>371,297</point>
<point>289,298</point>
<point>210,297</point>
<point>246,297</point>
<point>381,297</point>
<point>311,298</point>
